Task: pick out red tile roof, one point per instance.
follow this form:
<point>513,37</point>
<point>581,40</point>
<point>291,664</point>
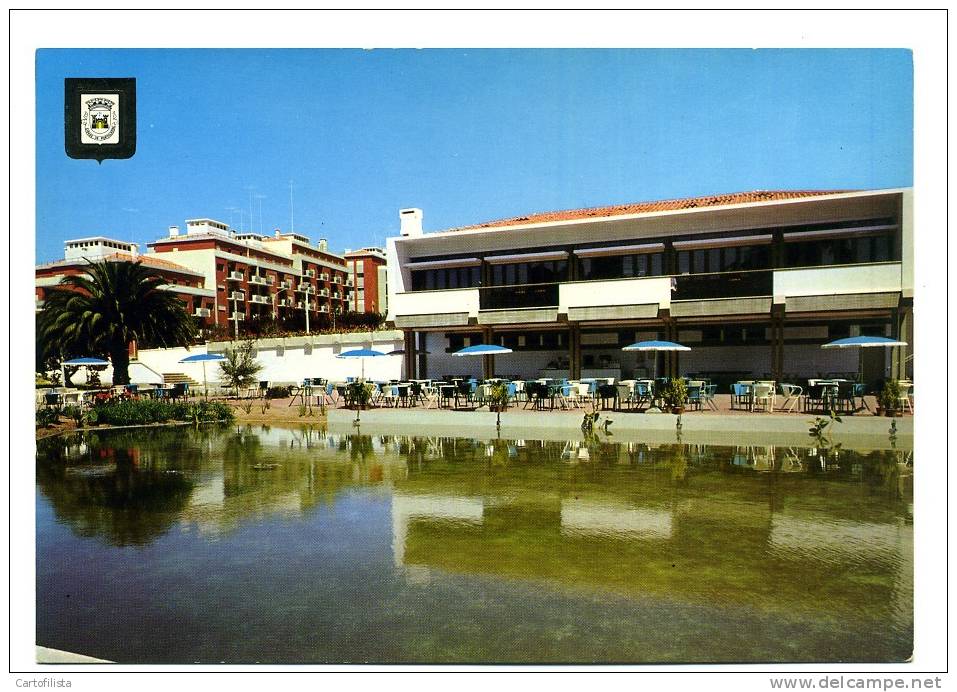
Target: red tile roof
<point>151,261</point>
<point>647,207</point>
<point>148,260</point>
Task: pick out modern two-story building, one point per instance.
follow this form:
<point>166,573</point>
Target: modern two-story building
<point>754,283</point>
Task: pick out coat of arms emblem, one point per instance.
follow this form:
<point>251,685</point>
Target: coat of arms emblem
<point>99,119</point>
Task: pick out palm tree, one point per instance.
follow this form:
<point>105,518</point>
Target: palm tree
<point>108,308</point>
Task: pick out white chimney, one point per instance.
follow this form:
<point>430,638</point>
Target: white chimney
<point>410,221</point>
<point>173,231</point>
<point>323,244</point>
<point>134,250</point>
<point>277,233</point>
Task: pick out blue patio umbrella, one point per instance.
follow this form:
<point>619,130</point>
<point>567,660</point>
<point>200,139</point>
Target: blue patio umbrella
<point>482,350</point>
<point>362,353</point>
<point>203,358</point>
<point>656,346</point>
<point>86,361</point>
<point>485,350</point>
<point>863,342</point>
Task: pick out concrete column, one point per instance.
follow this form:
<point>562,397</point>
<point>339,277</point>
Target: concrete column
<point>422,366</point>
<point>574,352</point>
<point>777,342</point>
<point>902,328</point>
<point>408,345</point>
<point>673,364</point>
<point>488,362</point>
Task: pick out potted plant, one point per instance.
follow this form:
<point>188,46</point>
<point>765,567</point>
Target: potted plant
<point>674,395</point>
<point>497,397</point>
<point>890,398</point>
<point>359,394</point>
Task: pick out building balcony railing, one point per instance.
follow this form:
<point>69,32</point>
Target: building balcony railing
<point>238,316</point>
<point>287,302</point>
<point>201,312</point>
<point>285,285</point>
<point>311,273</point>
<point>324,292</point>
<point>237,295</point>
<point>337,279</point>
<point>324,276</point>
<point>258,280</point>
<point>724,285</point>
<point>510,297</point>
<point>261,300</point>
<point>236,276</point>
<point>323,308</point>
<point>306,288</point>
<point>349,282</point>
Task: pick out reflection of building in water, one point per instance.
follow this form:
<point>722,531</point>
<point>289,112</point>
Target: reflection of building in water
<point>284,472</point>
<point>698,544</point>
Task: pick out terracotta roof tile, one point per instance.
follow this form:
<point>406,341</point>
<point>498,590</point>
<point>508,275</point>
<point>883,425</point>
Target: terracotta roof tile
<point>150,261</point>
<point>648,207</point>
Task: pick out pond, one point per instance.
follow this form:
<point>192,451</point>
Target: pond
<point>255,544</point>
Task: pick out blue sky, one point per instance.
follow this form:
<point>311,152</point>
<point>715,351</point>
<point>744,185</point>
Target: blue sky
<point>467,135</point>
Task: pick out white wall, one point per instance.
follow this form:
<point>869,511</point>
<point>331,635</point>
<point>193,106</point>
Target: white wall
<point>868,278</point>
<point>655,290</point>
<point>287,360</point>
<point>435,302</point>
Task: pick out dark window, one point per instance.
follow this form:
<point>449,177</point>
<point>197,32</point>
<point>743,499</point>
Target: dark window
<point>726,259</point>
<point>529,273</point>
<point>860,250</point>
<point>453,277</point>
<point>619,266</point>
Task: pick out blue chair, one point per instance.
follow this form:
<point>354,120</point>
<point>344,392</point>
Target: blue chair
<point>180,391</point>
<point>693,397</point>
<point>643,394</point>
<point>740,396</point>
<point>512,390</point>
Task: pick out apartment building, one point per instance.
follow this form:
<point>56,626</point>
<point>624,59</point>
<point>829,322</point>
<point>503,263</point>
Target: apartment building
<point>187,284</point>
<point>367,274</point>
<point>282,277</point>
<point>754,283</point>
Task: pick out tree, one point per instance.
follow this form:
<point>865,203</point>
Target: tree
<point>108,308</point>
<point>240,367</point>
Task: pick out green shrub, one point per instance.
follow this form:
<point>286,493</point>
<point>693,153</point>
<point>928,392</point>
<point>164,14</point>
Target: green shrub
<point>47,417</point>
<point>675,393</point>
<point>74,413</point>
<point>890,395</point>
<point>145,411</point>
<point>278,393</point>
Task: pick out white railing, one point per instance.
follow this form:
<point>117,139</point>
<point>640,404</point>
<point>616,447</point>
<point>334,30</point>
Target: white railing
<point>201,312</point>
<point>237,295</point>
<point>262,300</point>
<point>235,276</point>
<point>311,273</point>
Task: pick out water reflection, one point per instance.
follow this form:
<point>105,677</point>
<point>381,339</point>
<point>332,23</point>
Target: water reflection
<point>795,532</point>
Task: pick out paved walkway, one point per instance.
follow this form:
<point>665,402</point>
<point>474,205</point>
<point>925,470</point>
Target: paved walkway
<point>723,426</point>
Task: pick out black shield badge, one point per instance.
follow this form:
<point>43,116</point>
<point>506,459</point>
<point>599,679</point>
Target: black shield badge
<point>100,118</point>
